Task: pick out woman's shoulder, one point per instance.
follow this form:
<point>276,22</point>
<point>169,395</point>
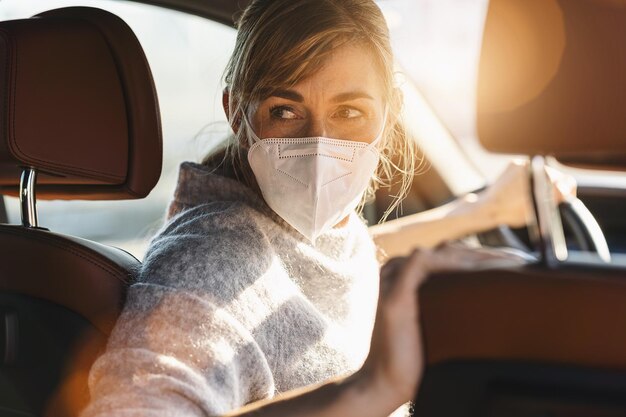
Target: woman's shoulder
<point>209,218</point>
<point>199,184</point>
<point>211,208</point>
<point>209,246</point>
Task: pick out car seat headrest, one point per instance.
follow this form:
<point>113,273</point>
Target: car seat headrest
<point>552,80</point>
<point>78,105</point>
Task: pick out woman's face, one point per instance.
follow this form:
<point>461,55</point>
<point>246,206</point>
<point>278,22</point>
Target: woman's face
<point>343,100</point>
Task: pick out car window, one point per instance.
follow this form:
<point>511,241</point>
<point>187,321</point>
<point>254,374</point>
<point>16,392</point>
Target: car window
<point>187,55</point>
<point>437,42</point>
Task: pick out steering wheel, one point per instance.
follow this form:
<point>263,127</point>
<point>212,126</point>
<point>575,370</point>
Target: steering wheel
<point>577,220</point>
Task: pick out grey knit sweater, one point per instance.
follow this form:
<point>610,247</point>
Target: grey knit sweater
<point>232,305</point>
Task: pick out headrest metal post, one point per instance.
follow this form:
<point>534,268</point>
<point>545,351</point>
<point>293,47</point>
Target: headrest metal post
<point>549,232</point>
<point>28,203</point>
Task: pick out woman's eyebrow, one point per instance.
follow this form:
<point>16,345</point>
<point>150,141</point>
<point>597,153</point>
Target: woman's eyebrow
<point>351,95</point>
<point>295,96</point>
<point>288,94</point>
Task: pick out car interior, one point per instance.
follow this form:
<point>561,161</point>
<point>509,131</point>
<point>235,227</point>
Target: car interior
<point>542,340</point>
<point>545,339</point>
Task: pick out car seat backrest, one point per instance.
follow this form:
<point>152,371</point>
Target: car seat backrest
<point>79,120</point>
<point>524,342</point>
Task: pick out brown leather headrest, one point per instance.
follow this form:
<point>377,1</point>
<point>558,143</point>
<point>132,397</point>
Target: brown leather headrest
<point>79,105</point>
<point>552,80</point>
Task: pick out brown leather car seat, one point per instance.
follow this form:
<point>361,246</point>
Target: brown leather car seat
<point>79,119</point>
<point>547,339</point>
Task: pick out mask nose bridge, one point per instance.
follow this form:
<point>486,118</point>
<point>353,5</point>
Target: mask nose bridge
<point>332,171</point>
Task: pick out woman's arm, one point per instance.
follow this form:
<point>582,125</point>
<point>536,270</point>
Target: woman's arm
<point>505,202</point>
<point>393,369</point>
<point>428,229</point>
<point>357,395</point>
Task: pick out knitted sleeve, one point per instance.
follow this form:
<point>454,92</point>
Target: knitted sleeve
<point>176,350</point>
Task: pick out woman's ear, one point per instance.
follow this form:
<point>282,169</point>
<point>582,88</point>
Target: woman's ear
<point>234,120</point>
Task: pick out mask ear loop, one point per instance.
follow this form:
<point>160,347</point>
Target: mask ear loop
<point>252,136</point>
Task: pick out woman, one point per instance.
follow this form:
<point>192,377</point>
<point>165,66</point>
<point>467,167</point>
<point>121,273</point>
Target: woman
<point>259,296</point>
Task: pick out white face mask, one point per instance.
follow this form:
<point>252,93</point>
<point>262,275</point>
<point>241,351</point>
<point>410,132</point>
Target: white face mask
<point>312,183</point>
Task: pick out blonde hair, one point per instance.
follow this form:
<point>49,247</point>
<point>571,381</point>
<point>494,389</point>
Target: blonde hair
<point>281,42</point>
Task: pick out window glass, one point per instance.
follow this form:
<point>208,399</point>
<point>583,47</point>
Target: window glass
<point>437,42</point>
<point>187,55</point>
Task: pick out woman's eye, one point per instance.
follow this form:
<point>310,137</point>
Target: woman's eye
<point>283,112</point>
<point>348,113</point>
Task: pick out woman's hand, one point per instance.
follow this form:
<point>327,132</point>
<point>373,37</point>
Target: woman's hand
<point>508,200</point>
<point>395,362</point>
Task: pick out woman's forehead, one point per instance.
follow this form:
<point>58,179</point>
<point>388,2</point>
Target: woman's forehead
<point>348,73</point>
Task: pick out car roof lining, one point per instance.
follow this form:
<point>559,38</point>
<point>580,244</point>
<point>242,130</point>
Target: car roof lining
<point>222,11</point>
